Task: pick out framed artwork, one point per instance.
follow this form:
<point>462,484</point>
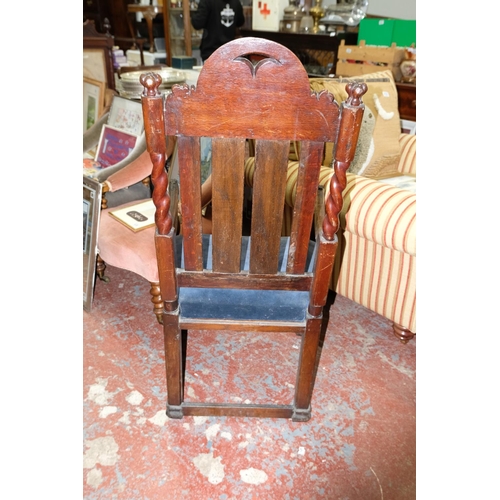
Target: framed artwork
<point>136,217</point>
<point>94,65</point>
<point>114,145</point>
<point>126,115</point>
<point>93,101</point>
<point>92,193</point>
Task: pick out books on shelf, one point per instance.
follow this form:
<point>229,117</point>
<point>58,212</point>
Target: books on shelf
<point>136,217</point>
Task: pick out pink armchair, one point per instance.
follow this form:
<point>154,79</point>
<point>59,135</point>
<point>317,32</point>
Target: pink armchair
<point>118,245</point>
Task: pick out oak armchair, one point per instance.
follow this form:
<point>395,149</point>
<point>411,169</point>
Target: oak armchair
<point>253,89</point>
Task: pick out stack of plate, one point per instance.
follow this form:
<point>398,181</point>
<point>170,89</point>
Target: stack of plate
<point>130,86</point>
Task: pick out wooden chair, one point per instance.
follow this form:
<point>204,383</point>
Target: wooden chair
<point>256,89</point>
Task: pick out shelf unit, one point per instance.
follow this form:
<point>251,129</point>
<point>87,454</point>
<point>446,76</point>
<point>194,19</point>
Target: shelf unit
<point>180,38</point>
<point>182,41</point>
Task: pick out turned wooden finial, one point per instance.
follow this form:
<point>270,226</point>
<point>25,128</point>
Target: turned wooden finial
<point>355,91</point>
<point>151,83</point>
<point>352,114</point>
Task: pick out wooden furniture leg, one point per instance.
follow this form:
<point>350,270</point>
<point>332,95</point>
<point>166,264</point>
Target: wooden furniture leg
<point>305,375</point>
<point>131,28</point>
<point>157,301</point>
<point>100,268</point>
<point>174,364</point>
<point>149,16</point>
<point>402,333</point>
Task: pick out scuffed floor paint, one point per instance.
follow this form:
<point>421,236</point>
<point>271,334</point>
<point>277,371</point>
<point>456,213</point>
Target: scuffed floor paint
<point>359,443</point>
<point>210,467</point>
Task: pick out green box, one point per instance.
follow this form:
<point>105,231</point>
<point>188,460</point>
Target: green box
<point>404,33</point>
<point>376,31</point>
<point>385,32</point>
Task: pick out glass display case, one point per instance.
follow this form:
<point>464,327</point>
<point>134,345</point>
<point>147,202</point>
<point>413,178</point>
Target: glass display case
<point>179,42</point>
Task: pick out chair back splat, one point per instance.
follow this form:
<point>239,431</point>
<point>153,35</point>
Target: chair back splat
<point>254,90</point>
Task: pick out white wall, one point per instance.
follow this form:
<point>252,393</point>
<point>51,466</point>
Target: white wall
<point>399,9</point>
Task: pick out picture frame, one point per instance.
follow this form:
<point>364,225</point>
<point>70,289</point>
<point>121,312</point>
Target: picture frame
<point>114,145</point>
<point>92,196</point>
<point>408,127</point>
<point>93,101</point>
<point>126,115</point>
<point>94,65</point>
<point>136,217</point>
<point>98,55</point>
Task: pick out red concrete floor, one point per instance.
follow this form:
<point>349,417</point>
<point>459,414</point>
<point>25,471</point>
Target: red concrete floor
<point>359,444</point>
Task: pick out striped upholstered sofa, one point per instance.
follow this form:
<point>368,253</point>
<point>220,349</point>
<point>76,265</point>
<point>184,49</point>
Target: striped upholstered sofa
<point>375,264</point>
<point>377,256</point>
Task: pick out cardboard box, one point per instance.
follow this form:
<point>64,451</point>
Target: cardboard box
<point>355,60</point>
<point>267,14</point>
<point>150,58</point>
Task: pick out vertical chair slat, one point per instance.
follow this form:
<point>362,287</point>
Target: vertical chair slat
<point>228,163</point>
<point>311,154</point>
<point>271,162</point>
<point>190,188</point>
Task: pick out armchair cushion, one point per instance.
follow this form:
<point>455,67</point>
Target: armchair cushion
<point>378,150</point>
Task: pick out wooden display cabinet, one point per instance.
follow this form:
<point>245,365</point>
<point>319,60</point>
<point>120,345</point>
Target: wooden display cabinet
<point>407,101</point>
<point>183,38</point>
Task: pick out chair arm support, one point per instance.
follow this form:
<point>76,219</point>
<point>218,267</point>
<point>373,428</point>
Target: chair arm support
<point>135,171</point>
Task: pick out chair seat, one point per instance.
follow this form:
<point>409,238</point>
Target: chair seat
<point>243,305</point>
<point>128,250</point>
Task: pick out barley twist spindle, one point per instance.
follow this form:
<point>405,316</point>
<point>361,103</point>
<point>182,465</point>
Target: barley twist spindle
<point>352,113</point>
<point>156,146</point>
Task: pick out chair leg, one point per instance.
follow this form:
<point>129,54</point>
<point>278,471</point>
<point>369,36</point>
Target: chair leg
<point>157,301</point>
<point>306,371</point>
<point>100,268</point>
<point>174,364</point>
<point>402,333</point>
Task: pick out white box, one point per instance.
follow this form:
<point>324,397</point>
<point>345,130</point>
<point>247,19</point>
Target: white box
<point>134,57</point>
<point>267,14</point>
